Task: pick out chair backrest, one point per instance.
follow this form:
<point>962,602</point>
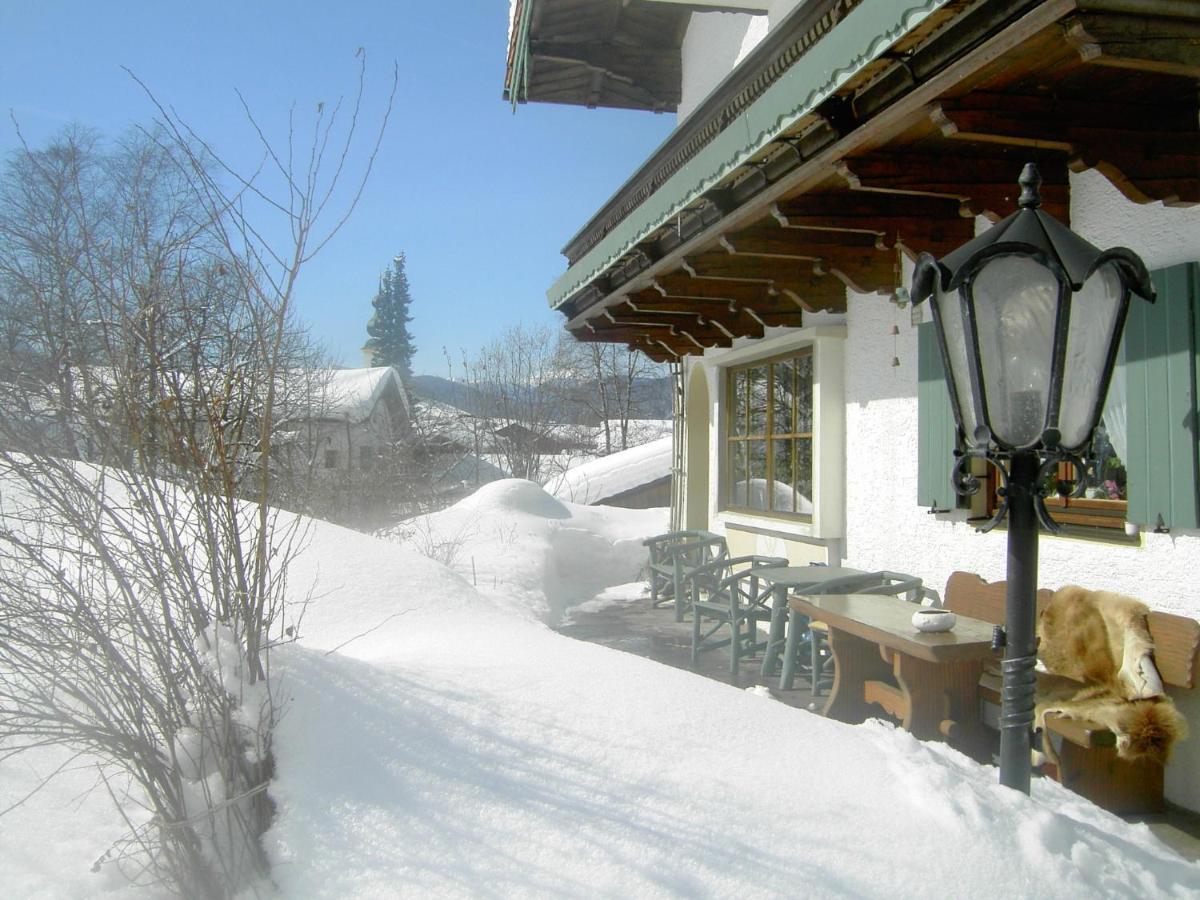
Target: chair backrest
<point>881,582</point>
<point>690,555</point>
<point>721,576</point>
<point>1176,638</point>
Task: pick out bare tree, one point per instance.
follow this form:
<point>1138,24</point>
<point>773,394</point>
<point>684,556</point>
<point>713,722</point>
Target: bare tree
<point>150,326</point>
<point>512,384</point>
<point>605,381</point>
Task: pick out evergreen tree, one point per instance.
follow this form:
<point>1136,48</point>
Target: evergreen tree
<point>390,344</point>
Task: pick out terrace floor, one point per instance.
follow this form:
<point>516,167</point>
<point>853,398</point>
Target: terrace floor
<point>653,633</point>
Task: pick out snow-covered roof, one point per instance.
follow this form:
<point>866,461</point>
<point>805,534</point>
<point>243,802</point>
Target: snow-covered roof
<point>610,476</point>
<point>354,392</point>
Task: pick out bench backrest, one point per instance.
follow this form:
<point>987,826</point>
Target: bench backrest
<point>1176,638</point>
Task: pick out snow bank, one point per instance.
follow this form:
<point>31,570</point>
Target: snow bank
<point>440,740</point>
<point>608,476</point>
<point>533,553</point>
<point>524,764</point>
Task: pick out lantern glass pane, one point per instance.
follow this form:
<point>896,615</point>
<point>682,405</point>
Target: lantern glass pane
<point>1090,335</point>
<point>1016,299</point>
<point>949,308</point>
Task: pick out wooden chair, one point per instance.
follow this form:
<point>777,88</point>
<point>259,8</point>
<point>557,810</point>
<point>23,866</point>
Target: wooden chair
<point>727,593</point>
<point>1087,752</point>
<point>674,556</point>
<point>813,636</point>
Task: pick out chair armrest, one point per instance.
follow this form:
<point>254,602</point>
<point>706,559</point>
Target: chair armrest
<point>671,537</point>
<point>895,583</point>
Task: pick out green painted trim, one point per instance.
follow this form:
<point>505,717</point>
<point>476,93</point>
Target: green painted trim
<point>1161,353</point>
<point>858,40</point>
<point>518,85</point>
<point>935,425</point>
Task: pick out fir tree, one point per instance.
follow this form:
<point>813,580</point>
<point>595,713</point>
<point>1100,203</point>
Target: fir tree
<point>390,344</point>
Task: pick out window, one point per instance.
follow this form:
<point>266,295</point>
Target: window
<point>769,437</point>
<point>331,459</point>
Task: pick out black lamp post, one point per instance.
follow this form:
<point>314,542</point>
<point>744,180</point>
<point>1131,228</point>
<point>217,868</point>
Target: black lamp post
<point>1028,318</point>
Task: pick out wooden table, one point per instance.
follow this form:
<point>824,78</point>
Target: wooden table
<point>929,681</point>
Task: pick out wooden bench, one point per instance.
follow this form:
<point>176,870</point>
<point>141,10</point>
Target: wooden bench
<point>1088,757</point>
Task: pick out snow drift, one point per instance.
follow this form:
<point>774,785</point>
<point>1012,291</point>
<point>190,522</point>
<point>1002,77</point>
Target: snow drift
<point>440,740</point>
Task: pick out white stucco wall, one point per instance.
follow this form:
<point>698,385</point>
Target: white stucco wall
<point>711,48</point>
<point>716,42</point>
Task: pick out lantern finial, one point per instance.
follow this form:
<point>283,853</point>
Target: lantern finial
<point>1030,181</point>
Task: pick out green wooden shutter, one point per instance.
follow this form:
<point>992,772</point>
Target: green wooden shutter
<point>1161,344</point>
<point>935,425</point>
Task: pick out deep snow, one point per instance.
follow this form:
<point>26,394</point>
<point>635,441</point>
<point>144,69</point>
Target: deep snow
<point>441,740</point>
<point>614,474</point>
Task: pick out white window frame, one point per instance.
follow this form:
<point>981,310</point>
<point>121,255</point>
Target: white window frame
<point>829,430</point>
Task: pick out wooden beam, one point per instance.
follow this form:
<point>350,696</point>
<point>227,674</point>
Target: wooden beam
<point>854,257</point>
<point>603,330</point>
<point>773,239</point>
<point>769,307</point>
<point>646,66</point>
<point>654,350</point>
<point>762,300</point>
<point>1144,43</point>
<point>737,322</point>
<point>680,284</point>
<point>1132,146</point>
<point>911,222</point>
<point>986,184</point>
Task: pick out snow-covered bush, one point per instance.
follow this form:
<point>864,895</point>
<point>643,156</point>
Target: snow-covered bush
<point>148,336</point>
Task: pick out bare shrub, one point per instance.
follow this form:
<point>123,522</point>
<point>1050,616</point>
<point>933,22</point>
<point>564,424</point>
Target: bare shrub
<point>148,337</point>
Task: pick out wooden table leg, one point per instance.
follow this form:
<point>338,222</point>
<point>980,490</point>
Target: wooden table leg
<point>938,694</point>
<point>856,661</point>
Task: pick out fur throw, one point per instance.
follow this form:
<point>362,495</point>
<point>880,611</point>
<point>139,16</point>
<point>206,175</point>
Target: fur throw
<point>1097,648</point>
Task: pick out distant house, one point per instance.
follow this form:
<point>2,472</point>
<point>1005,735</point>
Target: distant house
<point>637,478</point>
<point>343,420</point>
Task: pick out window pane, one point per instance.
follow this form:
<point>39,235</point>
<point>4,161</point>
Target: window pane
<point>783,388</point>
<point>783,493</point>
<point>737,473</point>
<point>1107,481</point>
<point>758,400</point>
<point>804,485</point>
<point>804,394</point>
<point>738,411</point>
<point>758,474</point>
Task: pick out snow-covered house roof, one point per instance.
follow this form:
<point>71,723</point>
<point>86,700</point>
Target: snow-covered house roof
<point>610,476</point>
<point>351,395</point>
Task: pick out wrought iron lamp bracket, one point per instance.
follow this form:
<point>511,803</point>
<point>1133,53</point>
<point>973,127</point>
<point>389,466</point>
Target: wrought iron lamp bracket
<point>966,483</point>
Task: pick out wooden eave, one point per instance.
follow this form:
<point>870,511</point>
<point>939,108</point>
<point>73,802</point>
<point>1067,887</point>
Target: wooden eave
<point>904,156</point>
<point>623,54</point>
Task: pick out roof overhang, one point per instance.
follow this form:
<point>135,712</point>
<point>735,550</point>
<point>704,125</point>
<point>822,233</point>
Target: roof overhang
<point>861,130</point>
<point>623,54</point>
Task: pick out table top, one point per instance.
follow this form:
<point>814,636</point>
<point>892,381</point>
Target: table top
<point>804,576</point>
<point>888,621</point>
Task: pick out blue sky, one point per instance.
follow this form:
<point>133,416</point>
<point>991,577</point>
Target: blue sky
<point>480,200</point>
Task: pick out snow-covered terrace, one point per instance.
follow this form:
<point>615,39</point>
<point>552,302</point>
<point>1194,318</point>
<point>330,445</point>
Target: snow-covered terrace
<point>441,739</point>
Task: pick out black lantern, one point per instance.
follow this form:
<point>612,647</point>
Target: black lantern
<point>1029,317</point>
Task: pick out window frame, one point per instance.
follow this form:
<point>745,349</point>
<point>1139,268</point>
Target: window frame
<point>768,437</point>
